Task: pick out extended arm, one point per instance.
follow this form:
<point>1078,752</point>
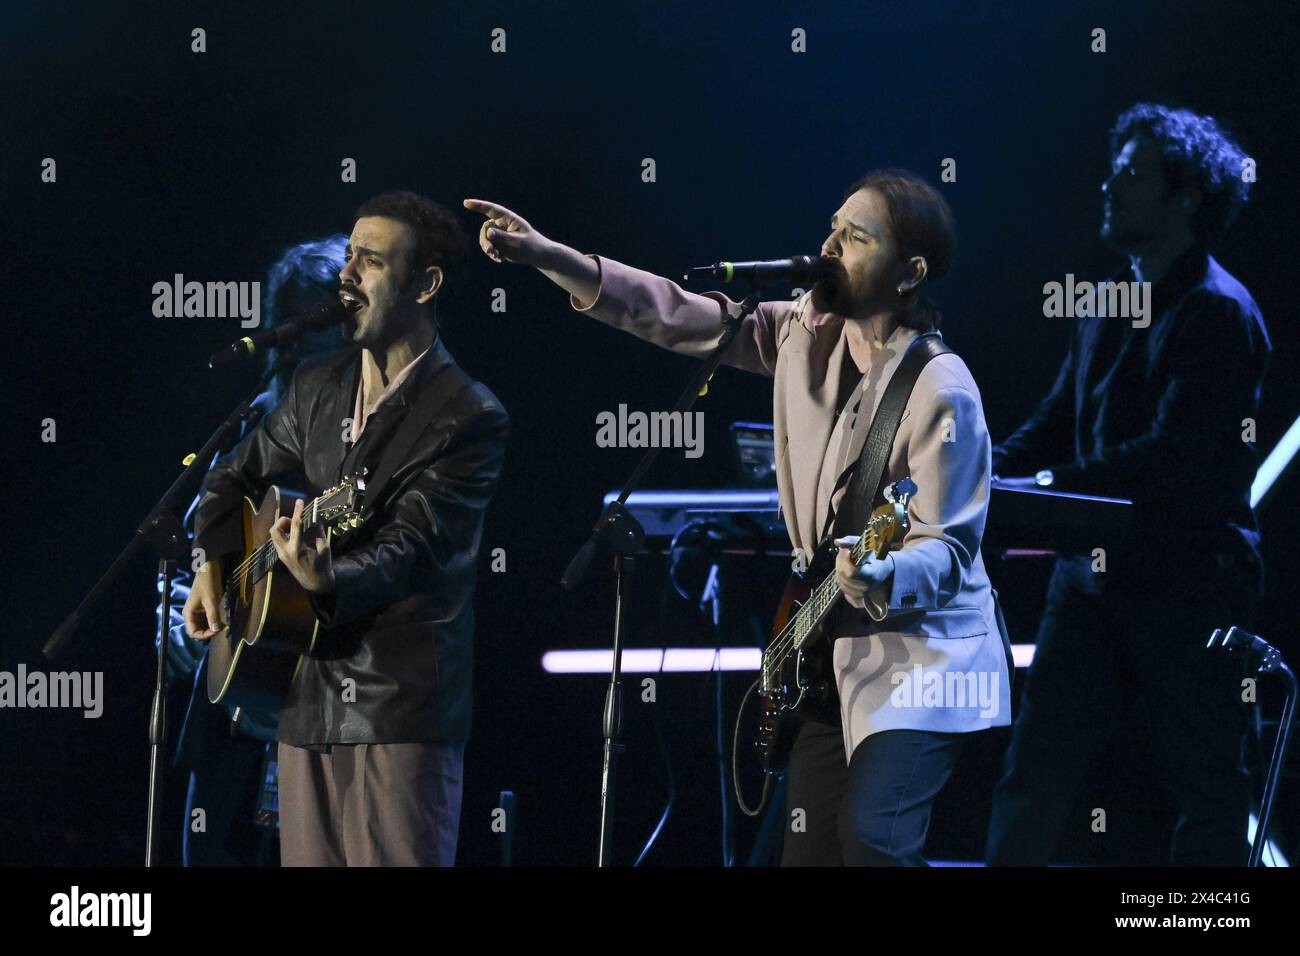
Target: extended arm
<point>649,306</point>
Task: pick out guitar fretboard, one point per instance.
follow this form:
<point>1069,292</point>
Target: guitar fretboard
<point>260,563</point>
<point>823,597</point>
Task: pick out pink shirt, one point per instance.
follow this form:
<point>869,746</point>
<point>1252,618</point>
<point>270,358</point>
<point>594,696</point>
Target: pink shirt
<point>361,415</point>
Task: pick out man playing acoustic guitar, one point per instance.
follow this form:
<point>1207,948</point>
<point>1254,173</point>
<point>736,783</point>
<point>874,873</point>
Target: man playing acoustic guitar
<point>373,728</point>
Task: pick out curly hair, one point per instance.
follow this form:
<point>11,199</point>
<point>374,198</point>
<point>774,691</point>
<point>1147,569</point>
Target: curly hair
<point>439,238</point>
<point>1197,154</point>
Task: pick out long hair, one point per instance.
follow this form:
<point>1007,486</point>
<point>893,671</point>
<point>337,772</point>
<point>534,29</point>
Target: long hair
<point>305,273</point>
<point>922,224</point>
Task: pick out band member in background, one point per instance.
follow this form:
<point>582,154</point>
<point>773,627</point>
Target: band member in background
<point>372,732</point>
<point>1163,415</point>
<point>865,777</point>
<point>225,763</point>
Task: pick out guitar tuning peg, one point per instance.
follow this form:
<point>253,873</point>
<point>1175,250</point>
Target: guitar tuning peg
<point>356,521</point>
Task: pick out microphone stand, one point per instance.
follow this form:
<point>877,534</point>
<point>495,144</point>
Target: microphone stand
<point>160,530</point>
<point>618,533</point>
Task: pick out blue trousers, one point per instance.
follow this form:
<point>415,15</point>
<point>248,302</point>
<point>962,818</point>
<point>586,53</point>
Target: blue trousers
<point>872,811</point>
<point>1099,650</point>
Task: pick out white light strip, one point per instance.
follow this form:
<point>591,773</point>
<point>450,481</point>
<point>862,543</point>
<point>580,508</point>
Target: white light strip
<point>1275,463</point>
<point>685,660</point>
<point>655,660</point>
<point>1271,856</point>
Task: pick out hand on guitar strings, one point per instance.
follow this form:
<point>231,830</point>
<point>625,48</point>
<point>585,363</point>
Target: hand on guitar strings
<point>204,612</point>
<point>308,560</point>
<point>856,582</point>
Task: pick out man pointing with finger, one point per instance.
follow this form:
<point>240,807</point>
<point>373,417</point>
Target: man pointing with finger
<point>865,774</point>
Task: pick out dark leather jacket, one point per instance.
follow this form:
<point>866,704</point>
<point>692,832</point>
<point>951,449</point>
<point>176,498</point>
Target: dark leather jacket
<point>392,662</point>
<point>1156,415</point>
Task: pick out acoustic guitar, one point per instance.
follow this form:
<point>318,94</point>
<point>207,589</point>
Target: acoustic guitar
<point>270,621</point>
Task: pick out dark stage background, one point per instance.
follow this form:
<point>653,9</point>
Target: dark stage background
<point>211,164</point>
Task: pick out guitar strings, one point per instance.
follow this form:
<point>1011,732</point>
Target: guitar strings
<point>268,546</point>
<point>261,551</point>
<point>786,642</point>
<point>781,648</point>
<point>240,574</point>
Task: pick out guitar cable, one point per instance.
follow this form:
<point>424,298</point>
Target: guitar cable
<point>672,788</point>
<point>720,753</point>
<point>703,538</point>
<point>735,762</point>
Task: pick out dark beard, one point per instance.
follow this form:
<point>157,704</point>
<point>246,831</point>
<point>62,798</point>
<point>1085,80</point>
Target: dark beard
<point>1124,240</point>
<point>1125,236</point>
<point>832,291</point>
<point>824,297</point>
<point>837,297</point>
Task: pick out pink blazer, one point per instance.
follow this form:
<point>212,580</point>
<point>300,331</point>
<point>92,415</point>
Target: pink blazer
<point>927,651</point>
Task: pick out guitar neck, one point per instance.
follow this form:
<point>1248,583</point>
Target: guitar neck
<point>263,559</point>
<point>886,524</point>
<point>822,599</point>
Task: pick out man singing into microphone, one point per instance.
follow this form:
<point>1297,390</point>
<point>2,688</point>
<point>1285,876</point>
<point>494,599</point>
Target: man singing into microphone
<point>372,732</point>
<point>865,778</point>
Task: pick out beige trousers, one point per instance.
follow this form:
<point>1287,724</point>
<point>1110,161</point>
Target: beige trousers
<point>370,804</point>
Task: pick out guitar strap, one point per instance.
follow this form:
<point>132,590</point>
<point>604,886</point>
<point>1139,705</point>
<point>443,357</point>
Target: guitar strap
<point>856,505</point>
<point>868,475</point>
<point>448,382</point>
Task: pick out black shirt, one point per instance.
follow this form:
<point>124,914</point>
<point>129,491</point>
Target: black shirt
<point>1158,414</point>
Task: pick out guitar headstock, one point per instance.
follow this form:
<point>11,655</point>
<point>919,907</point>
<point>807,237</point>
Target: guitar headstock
<point>888,522</point>
<point>339,507</point>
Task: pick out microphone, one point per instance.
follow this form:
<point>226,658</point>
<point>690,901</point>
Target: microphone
<point>772,272</point>
<point>286,333</point>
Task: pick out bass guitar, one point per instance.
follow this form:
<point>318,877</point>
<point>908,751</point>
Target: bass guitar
<point>792,680</point>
